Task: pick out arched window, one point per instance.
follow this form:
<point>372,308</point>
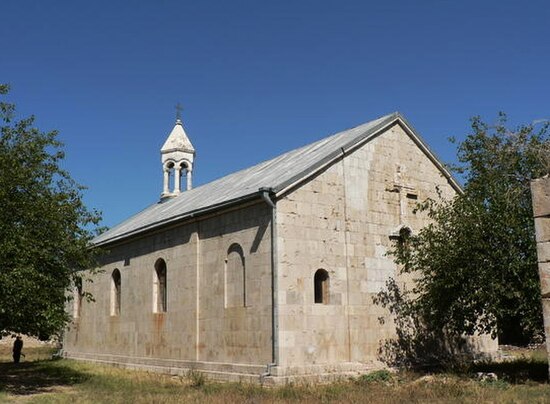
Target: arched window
<point>235,277</point>
<point>170,176</point>
<point>115,292</point>
<point>159,287</point>
<point>177,177</point>
<point>404,235</point>
<point>321,286</point>
<point>401,236</point>
<point>183,173</point>
<point>402,231</point>
<point>77,298</point>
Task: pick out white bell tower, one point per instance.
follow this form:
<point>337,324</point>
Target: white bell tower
<point>177,155</point>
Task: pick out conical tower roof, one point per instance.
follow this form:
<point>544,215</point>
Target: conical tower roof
<point>177,140</point>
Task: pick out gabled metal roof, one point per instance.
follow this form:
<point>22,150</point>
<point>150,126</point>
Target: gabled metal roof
<point>276,174</point>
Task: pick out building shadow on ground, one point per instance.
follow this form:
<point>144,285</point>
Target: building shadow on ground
<point>520,370</point>
<point>36,377</point>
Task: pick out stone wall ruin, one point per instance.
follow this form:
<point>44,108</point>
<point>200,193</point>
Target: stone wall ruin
<point>540,190</point>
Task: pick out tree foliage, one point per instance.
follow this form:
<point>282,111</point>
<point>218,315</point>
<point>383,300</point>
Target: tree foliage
<point>45,228</point>
<point>476,264</point>
<point>418,345</point>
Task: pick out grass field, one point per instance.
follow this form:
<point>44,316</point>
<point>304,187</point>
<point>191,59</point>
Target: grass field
<point>40,380</point>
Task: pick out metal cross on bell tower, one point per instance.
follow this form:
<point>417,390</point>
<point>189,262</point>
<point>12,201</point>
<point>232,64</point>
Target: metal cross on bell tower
<point>179,108</point>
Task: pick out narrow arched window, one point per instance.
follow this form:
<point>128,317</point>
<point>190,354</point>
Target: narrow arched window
<point>170,168</point>
<point>159,287</point>
<point>235,277</point>
<point>77,298</point>
<point>183,173</point>
<point>321,286</point>
<point>404,236</point>
<point>115,292</point>
<point>401,236</point>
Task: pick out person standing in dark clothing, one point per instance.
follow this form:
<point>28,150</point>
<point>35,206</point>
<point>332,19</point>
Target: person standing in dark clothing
<point>17,347</point>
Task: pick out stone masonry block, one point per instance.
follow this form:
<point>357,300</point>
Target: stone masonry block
<point>544,274</point>
<point>542,228</point>
<point>546,315</point>
<point>543,251</point>
<point>540,190</point>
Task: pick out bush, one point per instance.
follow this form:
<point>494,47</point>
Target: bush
<point>378,376</point>
<point>197,379</point>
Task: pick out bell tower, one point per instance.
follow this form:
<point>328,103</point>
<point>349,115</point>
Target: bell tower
<point>177,156</point>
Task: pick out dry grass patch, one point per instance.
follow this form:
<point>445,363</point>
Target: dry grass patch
<point>67,381</point>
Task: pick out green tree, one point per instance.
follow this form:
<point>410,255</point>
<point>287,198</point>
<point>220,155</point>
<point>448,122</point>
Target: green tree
<point>45,229</point>
<point>476,263</point>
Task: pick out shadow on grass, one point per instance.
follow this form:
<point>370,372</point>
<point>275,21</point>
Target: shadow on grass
<point>519,370</point>
<point>37,377</point>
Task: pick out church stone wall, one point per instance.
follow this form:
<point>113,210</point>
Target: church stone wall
<point>341,221</point>
<point>197,330</point>
<point>540,190</point>
<point>238,334</point>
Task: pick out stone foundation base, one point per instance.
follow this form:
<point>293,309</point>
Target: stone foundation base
<point>267,374</point>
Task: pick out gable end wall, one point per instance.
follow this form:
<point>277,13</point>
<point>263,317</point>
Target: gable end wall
<point>341,221</point>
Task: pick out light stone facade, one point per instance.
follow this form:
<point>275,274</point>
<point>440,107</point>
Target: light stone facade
<point>339,218</point>
<point>341,221</point>
<point>540,190</point>
<point>196,330</point>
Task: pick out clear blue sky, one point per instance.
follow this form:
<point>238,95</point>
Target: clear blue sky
<point>258,78</point>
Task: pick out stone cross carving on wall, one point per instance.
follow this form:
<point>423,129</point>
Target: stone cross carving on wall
<point>406,192</point>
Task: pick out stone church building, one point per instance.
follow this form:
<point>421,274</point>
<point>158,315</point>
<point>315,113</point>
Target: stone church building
<point>267,273</point>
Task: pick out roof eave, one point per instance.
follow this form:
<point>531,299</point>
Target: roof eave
<point>180,218</point>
